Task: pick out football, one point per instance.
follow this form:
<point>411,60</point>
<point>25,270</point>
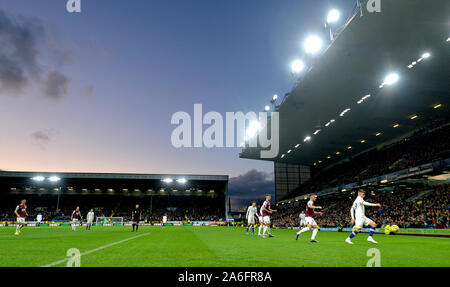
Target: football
<point>395,228</point>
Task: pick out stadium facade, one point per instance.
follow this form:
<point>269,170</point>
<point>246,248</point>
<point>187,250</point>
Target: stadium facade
<point>344,107</point>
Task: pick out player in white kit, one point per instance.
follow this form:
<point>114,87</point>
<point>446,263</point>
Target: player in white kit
<point>90,219</point>
<point>164,220</point>
<point>39,219</point>
<point>359,218</point>
<point>252,210</point>
<point>302,219</point>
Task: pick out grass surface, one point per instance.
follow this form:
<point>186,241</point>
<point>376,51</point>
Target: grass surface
<point>190,246</point>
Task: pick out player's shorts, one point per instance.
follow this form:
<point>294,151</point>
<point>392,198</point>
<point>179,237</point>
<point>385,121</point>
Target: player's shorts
<point>309,220</point>
<point>362,221</point>
<point>20,219</point>
<point>251,220</point>
<point>302,222</point>
<point>266,219</point>
<point>260,219</point>
<point>90,221</point>
<point>74,221</point>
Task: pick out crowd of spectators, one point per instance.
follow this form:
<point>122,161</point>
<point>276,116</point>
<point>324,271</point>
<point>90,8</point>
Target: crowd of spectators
<point>426,145</point>
<point>431,210</point>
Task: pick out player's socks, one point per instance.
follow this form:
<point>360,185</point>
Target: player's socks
<point>265,230</point>
<point>253,230</point>
<point>304,229</point>
<point>133,228</point>
<point>353,234</point>
<point>372,231</point>
<point>137,226</point>
<point>259,230</point>
<point>313,237</point>
<point>248,228</point>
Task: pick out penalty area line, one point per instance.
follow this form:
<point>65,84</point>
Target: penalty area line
<point>95,250</point>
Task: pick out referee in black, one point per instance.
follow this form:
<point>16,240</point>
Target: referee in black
<point>136,217</point>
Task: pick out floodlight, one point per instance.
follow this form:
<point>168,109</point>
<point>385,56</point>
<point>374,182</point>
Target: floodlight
<point>391,79</point>
<point>54,178</point>
<point>297,66</point>
<point>38,178</point>
<point>312,44</point>
<point>181,180</point>
<point>333,16</point>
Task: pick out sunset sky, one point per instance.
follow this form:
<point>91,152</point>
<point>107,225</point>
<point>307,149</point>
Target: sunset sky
<point>95,91</point>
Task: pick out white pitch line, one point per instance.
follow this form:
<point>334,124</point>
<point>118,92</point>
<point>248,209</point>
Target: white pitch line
<point>94,250</point>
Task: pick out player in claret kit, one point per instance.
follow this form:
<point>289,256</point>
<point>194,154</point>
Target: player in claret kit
<point>20,212</point>
<point>76,216</point>
<point>309,218</point>
<point>360,219</point>
<point>266,212</point>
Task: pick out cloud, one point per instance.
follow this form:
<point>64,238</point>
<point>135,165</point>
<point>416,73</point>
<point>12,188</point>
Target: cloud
<point>88,91</point>
<point>55,85</point>
<point>248,187</point>
<point>23,45</point>
<point>41,136</point>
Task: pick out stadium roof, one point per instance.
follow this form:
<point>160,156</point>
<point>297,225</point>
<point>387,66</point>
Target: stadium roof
<point>112,183</point>
<point>369,48</point>
<point>73,175</point>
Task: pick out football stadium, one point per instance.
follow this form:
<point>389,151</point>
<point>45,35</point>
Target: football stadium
<point>361,178</point>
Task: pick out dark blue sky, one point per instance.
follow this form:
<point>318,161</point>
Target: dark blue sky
<point>114,74</point>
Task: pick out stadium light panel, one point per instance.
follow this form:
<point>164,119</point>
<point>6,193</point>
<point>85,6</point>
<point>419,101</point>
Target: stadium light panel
<point>297,66</point>
<point>289,151</point>
<point>426,55</point>
<point>333,16</point>
<point>378,134</point>
<point>275,97</point>
<point>395,125</point>
<point>448,39</point>
<point>413,117</point>
<point>297,145</point>
<point>391,79</point>
<point>437,106</point>
<point>54,179</point>
<point>282,155</point>
<point>266,108</point>
<point>168,180</point>
<point>312,44</point>
<point>38,178</point>
<point>316,132</point>
<point>181,180</point>
<point>308,138</point>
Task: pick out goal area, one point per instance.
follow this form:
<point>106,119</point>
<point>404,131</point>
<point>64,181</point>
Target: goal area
<point>109,221</point>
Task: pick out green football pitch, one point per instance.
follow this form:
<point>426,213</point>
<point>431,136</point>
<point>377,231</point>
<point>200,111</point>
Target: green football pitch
<point>190,246</point>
